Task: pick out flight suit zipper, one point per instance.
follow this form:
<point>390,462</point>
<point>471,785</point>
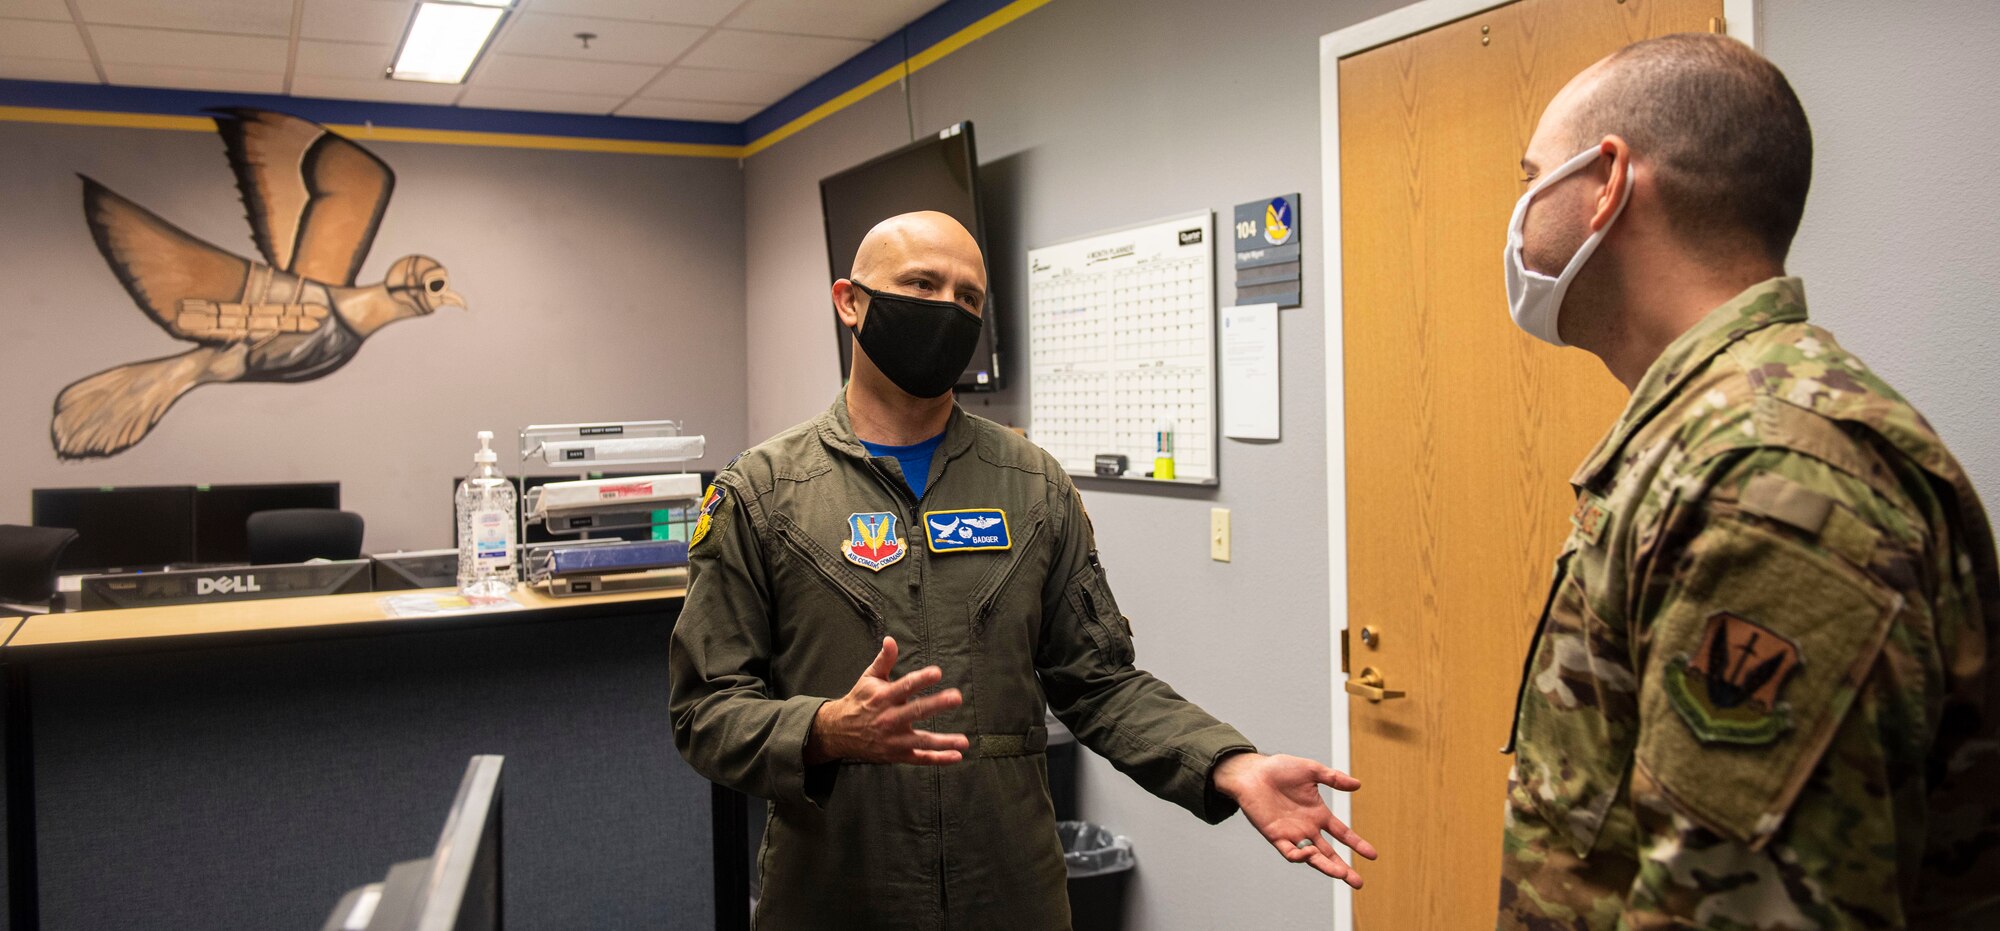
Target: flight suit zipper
<point>991,598</point>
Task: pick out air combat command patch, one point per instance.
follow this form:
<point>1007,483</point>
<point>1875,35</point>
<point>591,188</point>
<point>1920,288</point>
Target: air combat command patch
<point>871,541</point>
<point>1728,692</point>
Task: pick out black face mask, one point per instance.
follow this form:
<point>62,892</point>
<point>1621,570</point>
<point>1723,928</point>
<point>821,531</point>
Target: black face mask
<point>921,345</point>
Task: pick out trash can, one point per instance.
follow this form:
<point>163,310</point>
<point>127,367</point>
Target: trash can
<point>1100,868</point>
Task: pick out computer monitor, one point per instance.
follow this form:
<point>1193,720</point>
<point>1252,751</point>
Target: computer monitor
<point>458,887</point>
<point>395,572</point>
<point>136,527</point>
<point>938,172</point>
<point>221,512</point>
<point>228,583</point>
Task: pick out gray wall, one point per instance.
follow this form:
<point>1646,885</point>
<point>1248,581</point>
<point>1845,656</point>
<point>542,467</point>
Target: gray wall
<point>1097,113</point>
<point>1900,248</point>
<point>601,287</point>
<point>1092,114</point>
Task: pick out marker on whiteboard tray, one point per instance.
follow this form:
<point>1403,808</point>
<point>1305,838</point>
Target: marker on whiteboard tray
<point>1163,450</point>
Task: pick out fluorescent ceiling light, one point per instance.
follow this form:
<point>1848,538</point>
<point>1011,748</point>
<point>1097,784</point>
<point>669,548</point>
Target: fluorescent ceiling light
<point>444,39</point>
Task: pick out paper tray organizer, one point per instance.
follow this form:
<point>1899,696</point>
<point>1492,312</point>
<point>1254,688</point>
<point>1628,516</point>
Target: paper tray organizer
<point>606,558</point>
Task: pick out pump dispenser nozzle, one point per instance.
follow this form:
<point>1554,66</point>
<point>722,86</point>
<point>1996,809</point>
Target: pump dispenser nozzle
<point>485,453</point>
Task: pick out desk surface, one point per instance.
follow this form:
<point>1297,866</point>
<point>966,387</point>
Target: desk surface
<point>276,618</point>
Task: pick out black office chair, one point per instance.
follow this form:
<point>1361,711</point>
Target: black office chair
<point>28,557</point>
<point>299,534</point>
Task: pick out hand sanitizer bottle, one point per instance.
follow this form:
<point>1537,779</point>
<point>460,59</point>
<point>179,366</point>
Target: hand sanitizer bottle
<point>488,513</point>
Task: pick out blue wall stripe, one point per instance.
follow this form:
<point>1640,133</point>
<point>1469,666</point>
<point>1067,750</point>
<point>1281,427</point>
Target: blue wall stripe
<point>414,116</point>
<point>925,31</point>
<point>941,23</point>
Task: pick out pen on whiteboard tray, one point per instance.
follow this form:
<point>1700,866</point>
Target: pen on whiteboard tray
<point>1163,450</point>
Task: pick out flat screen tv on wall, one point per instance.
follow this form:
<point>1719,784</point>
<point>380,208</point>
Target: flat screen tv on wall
<point>938,172</point>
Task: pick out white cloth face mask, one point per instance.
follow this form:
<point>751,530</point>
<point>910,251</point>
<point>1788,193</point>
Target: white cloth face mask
<point>1534,299</point>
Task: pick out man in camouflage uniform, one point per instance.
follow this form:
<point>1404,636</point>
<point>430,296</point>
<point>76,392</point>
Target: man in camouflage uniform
<point>969,563</point>
<point>1762,695</point>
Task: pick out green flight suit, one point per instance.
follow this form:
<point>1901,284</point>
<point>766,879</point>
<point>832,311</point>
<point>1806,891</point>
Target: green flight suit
<point>796,578</point>
<point>1762,695</point>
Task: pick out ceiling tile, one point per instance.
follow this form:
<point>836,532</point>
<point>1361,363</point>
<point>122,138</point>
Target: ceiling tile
<point>853,19</point>
<point>32,39</point>
<point>617,39</point>
<point>522,72</point>
<point>243,17</point>
<point>690,12</point>
<point>344,60</point>
<point>356,20</point>
<point>201,79</point>
<point>723,85</point>
<point>689,110</point>
<point>47,69</point>
<point>172,49</point>
<point>507,99</point>
<point>379,88</point>
<point>807,56</point>
<point>35,9</point>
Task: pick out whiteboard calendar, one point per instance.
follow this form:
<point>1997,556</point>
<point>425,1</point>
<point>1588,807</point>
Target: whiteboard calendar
<point>1121,346</point>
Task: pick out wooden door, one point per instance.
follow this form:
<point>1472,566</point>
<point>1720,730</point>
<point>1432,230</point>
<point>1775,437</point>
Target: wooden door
<point>1462,432</point>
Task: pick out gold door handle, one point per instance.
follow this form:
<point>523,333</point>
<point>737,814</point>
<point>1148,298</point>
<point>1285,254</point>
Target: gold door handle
<point>1368,684</point>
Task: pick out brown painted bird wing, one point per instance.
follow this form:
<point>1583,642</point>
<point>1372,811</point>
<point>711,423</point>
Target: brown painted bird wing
<point>315,199</point>
<point>159,263</point>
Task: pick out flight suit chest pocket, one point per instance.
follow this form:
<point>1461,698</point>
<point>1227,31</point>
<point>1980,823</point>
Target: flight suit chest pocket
<point>1579,714</point>
<point>809,558</point>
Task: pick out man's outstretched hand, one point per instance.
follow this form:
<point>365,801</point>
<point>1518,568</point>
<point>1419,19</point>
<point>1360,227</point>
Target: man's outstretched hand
<point>1280,796</point>
<point>875,722</point>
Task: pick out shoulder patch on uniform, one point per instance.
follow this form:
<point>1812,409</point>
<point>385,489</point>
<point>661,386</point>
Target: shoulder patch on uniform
<point>967,530</point>
<point>871,541</point>
<point>1729,690</point>
<point>711,501</point>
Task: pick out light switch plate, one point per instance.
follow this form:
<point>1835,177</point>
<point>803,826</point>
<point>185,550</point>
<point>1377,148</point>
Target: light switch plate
<point>1218,534</point>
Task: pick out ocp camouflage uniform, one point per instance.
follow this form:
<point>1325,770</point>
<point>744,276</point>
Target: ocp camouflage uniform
<point>1762,695</point>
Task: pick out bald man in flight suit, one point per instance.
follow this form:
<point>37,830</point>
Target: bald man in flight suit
<point>900,538</point>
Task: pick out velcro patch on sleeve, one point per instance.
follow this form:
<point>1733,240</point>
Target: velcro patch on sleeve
<point>1753,663</point>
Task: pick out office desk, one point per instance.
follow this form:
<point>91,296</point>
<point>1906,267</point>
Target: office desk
<point>240,765</point>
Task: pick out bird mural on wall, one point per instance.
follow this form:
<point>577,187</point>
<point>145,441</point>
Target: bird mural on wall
<point>315,201</point>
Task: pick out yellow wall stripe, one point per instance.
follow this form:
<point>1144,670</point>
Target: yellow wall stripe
<point>382,133</point>
<point>917,62</point>
<point>106,118</point>
<point>974,32</point>
<point>923,59</point>
<point>529,141</point>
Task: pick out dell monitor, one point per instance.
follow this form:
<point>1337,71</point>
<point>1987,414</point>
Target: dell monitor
<point>221,513</point>
<point>141,527</point>
<point>934,173</point>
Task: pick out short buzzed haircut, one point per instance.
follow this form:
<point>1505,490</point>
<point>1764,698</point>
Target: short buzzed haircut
<point>1726,135</point>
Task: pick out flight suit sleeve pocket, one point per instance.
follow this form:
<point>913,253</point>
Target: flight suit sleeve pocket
<point>1752,663</point>
<point>1090,599</point>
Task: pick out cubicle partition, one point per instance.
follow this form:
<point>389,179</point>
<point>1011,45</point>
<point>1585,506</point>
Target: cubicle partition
<point>242,765</point>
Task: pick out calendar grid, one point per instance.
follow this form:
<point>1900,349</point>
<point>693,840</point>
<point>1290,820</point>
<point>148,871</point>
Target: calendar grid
<point>1121,333</point>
